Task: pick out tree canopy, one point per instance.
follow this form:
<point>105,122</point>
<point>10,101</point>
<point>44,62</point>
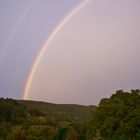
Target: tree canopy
<point>116,117</point>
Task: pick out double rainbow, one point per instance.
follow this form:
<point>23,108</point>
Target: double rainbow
<point>46,44</point>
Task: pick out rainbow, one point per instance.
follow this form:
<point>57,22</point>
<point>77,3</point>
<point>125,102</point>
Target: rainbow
<point>15,29</point>
<point>40,54</point>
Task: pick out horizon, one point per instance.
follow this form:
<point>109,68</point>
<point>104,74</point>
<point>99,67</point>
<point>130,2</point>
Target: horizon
<point>71,52</point>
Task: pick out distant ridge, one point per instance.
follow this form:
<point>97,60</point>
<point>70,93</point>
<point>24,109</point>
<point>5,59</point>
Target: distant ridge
<point>72,112</point>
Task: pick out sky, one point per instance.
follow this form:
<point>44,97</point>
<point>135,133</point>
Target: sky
<point>95,53</point>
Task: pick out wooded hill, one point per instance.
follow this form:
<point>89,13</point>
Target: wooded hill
<point>115,118</point>
<point>71,112</point>
<point>33,120</point>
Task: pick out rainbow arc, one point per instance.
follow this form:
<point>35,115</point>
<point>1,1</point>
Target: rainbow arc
<point>46,44</point>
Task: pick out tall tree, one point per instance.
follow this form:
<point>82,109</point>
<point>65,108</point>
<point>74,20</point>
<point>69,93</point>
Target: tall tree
<point>118,115</point>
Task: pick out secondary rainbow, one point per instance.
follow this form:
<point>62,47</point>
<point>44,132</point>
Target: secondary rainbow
<point>15,29</point>
<point>57,29</point>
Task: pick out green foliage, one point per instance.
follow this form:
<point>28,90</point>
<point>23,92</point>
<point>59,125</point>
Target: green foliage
<point>31,120</point>
<point>3,132</point>
<point>67,112</point>
<point>66,132</point>
<point>12,111</point>
<point>117,117</point>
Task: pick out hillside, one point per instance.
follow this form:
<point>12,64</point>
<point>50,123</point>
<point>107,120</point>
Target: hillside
<point>34,120</point>
<point>70,112</point>
<point>115,118</point>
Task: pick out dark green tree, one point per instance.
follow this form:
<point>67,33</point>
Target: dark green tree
<point>118,115</point>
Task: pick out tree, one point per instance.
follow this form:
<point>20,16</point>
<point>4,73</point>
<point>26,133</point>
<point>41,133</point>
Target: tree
<point>118,115</point>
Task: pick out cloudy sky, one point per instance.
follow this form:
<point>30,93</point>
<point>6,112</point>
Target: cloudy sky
<point>94,53</point>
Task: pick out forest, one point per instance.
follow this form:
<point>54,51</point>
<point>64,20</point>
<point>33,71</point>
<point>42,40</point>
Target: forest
<point>115,118</point>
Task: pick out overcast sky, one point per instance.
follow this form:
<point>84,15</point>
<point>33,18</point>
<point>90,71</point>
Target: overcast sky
<point>95,53</point>
<point>24,27</point>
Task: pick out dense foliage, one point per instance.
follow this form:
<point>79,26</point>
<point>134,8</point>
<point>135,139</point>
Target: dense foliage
<point>31,120</point>
<point>116,118</point>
